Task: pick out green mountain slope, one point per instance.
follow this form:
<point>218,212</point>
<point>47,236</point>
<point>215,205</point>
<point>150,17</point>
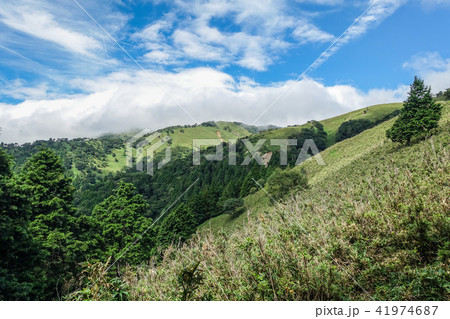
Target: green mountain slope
<point>107,154</point>
<point>373,225</point>
<point>335,157</point>
<point>371,113</point>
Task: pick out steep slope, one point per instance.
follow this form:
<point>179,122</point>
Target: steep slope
<point>331,125</point>
<point>335,157</point>
<point>373,226</point>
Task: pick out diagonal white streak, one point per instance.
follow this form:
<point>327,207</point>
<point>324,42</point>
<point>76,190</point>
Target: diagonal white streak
<point>148,228</point>
<point>316,62</point>
<point>134,60</point>
<point>18,54</point>
<point>144,232</point>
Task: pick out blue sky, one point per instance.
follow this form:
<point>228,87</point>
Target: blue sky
<point>62,74</point>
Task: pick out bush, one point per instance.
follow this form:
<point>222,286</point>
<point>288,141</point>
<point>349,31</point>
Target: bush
<point>316,132</point>
<point>351,128</point>
<point>209,124</point>
<point>282,182</point>
<point>234,207</point>
<point>354,127</point>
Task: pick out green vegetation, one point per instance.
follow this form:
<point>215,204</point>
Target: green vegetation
<point>373,229</point>
<point>372,223</point>
<point>233,207</point>
<point>420,114</point>
<point>354,127</point>
<point>20,255</point>
<point>443,96</point>
<point>283,182</point>
<point>121,218</point>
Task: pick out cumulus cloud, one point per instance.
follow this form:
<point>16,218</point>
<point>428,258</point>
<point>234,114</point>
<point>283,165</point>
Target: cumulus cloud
<point>434,69</point>
<point>129,100</point>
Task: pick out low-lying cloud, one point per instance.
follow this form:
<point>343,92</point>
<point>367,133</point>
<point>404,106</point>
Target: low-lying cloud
<point>128,100</point>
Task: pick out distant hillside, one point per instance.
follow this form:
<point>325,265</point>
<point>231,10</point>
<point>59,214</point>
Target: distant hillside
<point>336,157</point>
<point>371,113</point>
<point>257,129</point>
<point>107,154</point>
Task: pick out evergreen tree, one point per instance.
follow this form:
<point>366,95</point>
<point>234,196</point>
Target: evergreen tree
<point>249,185</point>
<point>122,222</point>
<point>52,216</point>
<point>48,186</point>
<point>204,205</point>
<point>230,191</point>
<point>419,115</point>
<point>21,277</point>
<point>178,226</point>
<point>446,94</point>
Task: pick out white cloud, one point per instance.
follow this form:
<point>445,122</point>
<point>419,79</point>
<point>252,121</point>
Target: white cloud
<point>259,33</point>
<point>432,68</point>
<point>18,89</point>
<point>33,19</point>
<point>322,2</point>
<point>126,100</point>
<point>307,33</point>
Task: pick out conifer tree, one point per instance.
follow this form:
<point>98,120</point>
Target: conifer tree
<point>21,277</point>
<point>177,227</point>
<point>52,216</point>
<point>121,219</point>
<point>419,115</point>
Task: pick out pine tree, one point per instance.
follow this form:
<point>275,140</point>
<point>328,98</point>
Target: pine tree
<point>249,185</point>
<point>21,277</point>
<point>52,216</point>
<point>419,115</point>
<point>204,205</point>
<point>230,191</point>
<point>177,227</point>
<point>122,221</point>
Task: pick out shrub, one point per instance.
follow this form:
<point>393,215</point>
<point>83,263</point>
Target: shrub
<point>189,278</point>
<point>351,128</point>
<point>234,207</point>
<point>316,132</point>
<point>283,182</point>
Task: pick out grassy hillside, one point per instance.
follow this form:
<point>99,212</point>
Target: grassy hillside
<point>373,225</point>
<point>335,157</point>
<point>372,113</point>
<point>181,137</point>
<point>107,154</point>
